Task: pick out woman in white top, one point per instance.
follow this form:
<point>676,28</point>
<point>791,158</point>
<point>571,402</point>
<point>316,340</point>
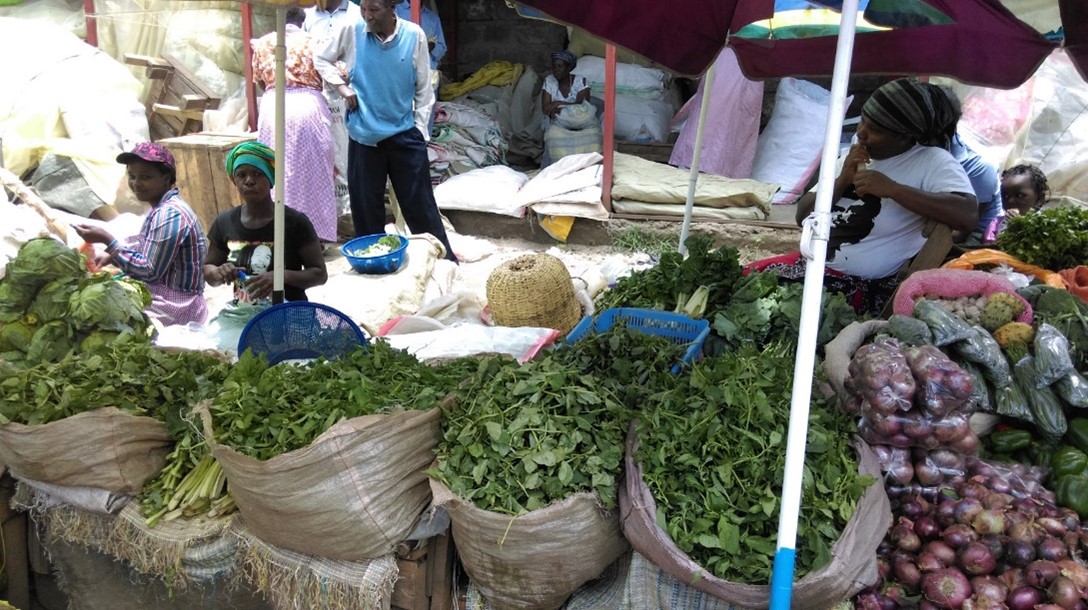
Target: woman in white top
<point>561,87</point>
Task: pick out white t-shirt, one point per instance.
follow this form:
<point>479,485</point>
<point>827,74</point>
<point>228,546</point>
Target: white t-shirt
<point>872,240</point>
<point>552,87</point>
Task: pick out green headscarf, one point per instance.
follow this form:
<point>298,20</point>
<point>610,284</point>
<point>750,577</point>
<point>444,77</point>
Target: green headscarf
<point>256,154</point>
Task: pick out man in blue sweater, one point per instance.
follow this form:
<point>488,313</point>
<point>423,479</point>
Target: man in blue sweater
<point>388,96</point>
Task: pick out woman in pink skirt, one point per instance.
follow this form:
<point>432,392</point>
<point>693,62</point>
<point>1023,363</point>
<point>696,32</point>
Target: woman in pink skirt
<point>307,155</point>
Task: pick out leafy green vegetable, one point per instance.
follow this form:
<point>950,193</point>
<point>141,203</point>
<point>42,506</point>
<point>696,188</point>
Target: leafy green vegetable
<point>713,455</point>
<point>50,342</point>
<point>674,284</point>
<point>1065,312</point>
<point>106,304</point>
<point>43,260</point>
<point>51,302</point>
<point>1054,238</point>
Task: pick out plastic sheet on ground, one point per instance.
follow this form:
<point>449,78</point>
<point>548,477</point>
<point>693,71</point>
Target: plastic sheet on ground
<point>523,343</point>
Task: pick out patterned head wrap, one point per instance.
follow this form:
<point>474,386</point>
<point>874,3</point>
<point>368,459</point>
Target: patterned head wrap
<point>256,154</point>
<point>566,56</point>
<point>920,110</point>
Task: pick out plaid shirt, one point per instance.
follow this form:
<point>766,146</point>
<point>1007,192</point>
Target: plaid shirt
<point>169,250</point>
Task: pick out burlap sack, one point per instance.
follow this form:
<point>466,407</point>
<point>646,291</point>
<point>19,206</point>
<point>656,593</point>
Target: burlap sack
<point>352,494</point>
<point>853,556</point>
<point>840,351</point>
<point>535,561</point>
<point>105,449</point>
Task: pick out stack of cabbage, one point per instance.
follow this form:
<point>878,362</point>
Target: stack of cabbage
<point>51,305</point>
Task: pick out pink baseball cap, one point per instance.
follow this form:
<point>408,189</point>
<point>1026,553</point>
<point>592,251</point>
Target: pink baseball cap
<point>150,152</point>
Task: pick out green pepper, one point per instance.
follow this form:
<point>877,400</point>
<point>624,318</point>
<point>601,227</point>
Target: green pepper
<point>1072,492</point>
<point>1068,460</point>
<point>1007,441</point>
<point>1077,434</point>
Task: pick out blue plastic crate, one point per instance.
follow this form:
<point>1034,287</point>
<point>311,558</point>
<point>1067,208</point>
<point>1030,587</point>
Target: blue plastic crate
<point>300,330</point>
<point>676,327</point>
<point>374,265</point>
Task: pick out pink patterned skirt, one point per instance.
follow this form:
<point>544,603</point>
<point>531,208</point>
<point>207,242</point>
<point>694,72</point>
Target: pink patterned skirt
<point>308,157</point>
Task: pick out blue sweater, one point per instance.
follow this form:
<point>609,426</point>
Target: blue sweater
<point>386,87</point>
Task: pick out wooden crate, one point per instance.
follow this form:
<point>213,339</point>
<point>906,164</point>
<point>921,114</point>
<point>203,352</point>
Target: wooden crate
<point>202,179</point>
<point>426,576</point>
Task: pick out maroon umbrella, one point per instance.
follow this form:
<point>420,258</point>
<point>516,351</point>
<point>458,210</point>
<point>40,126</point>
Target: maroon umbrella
<point>983,43</point>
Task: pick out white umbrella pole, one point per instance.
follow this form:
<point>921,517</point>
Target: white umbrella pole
<point>278,146</point>
<point>693,175</point>
<point>785,555</point>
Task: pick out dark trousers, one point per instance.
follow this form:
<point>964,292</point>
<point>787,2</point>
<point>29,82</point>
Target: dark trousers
<point>403,159</point>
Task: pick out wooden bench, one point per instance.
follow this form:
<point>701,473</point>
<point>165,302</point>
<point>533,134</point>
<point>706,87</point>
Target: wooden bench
<point>177,99</point>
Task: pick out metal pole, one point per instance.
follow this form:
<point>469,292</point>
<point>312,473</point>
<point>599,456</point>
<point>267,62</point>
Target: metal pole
<point>281,86</point>
<point>818,230</point>
<point>693,174</point>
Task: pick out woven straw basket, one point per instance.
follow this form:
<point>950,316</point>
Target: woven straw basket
<point>533,290</point>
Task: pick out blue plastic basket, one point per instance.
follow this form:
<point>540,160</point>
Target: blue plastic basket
<point>678,328</point>
<point>300,330</point>
<point>386,263</point>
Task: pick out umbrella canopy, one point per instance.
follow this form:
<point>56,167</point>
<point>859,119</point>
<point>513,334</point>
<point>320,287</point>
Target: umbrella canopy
<point>955,38</point>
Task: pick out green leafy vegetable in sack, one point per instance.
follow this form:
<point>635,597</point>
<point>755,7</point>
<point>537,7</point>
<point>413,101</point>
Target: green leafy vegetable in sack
<point>1051,353</point>
<point>982,349</point>
<point>980,394</point>
<point>1054,238</point>
<point>713,453</point>
<point>946,327</point>
<point>51,342</point>
<point>1009,401</point>
<point>103,303</point>
<point>1067,313</point>
<point>909,331</point>
<point>1073,389</point>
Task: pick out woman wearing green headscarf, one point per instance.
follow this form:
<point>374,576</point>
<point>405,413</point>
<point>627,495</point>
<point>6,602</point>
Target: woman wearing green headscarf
<point>240,241</point>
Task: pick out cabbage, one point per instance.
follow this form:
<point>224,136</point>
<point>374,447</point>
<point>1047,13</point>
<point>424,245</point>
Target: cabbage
<point>97,339</point>
<point>16,336</point>
<point>106,305</point>
<point>52,300</point>
<point>43,260</point>
<point>15,299</point>
<point>50,343</point>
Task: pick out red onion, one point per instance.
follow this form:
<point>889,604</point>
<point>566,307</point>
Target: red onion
<point>1024,598</point>
<point>1027,531</point>
<point>927,562</point>
<point>945,513</point>
<point>996,500</point>
<point>1052,526</point>
<point>1040,573</point>
<point>958,535</point>
<point>1013,578</point>
<point>1012,517</point>
<point>1027,505</point>
<point>904,538</point>
<point>913,506</point>
<point>1019,552</point>
<point>1064,592</point>
<point>945,553</point>
<point>976,559</point>
<point>952,429</point>
<point>995,543</point>
<point>967,445</point>
<point>967,509</point>
<point>1069,518</point>
<point>883,567</point>
<point>927,474</point>
<point>999,485</point>
<point>917,426</point>
<point>927,527</point>
<point>906,573</point>
<point>947,588</point>
<point>989,587</point>
<point>883,425</point>
<point>989,522</point>
<point>974,488</point>
<point>1051,549</point>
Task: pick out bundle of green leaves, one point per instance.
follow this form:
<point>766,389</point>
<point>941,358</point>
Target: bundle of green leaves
<point>1054,238</point>
<point>713,455</point>
<point>697,286</point>
<point>113,375</point>
<point>264,411</point>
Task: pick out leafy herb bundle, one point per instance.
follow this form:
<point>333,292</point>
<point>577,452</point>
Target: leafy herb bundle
<point>675,280</point>
<point>525,437</point>
<point>1054,238</point>
<point>713,455</point>
<point>264,411</point>
<point>113,375</point>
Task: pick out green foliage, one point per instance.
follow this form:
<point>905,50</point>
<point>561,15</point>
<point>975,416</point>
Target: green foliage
<point>1054,238</point>
<point>1065,312</point>
<point>671,284</point>
<point>713,454</point>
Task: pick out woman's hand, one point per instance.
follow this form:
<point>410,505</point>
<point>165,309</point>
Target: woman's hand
<point>858,156</point>
<point>220,274</point>
<point>260,286</point>
<point>93,234</point>
<point>868,182</point>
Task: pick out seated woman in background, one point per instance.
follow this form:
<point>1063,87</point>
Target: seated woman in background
<point>897,176</point>
<point>241,239</point>
<point>167,253</point>
<point>571,121</point>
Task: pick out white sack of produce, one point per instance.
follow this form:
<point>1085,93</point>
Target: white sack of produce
<point>105,449</point>
<point>536,560</point>
<point>352,494</point>
<point>487,189</point>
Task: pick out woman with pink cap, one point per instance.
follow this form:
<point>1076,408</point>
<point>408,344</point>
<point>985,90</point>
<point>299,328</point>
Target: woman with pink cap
<point>168,252</point>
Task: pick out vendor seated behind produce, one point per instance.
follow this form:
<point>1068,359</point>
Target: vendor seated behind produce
<point>167,253</point>
<point>240,241</point>
<point>897,175</point>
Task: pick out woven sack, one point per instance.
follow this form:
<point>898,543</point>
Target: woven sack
<point>105,449</point>
<point>536,560</point>
<point>352,494</point>
<point>533,290</point>
<point>853,556</point>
